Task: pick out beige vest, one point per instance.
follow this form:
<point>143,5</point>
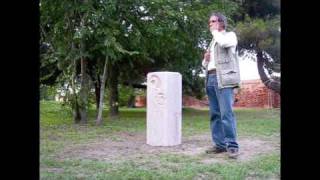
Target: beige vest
<point>227,64</point>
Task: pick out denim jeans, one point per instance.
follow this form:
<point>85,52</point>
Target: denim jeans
<point>222,119</point>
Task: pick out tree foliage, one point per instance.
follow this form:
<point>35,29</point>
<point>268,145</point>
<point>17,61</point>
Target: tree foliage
<point>262,37</point>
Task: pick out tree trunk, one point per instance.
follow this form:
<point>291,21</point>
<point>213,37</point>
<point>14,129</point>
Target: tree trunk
<point>131,99</point>
<point>102,88</point>
<point>84,90</point>
<point>74,100</point>
<point>76,113</point>
<point>97,87</point>
<point>269,82</point>
<point>95,78</point>
<point>113,90</point>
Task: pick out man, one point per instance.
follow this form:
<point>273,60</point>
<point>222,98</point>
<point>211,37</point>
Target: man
<point>222,76</point>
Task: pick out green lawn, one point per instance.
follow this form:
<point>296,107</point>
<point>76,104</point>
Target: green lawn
<point>57,132</point>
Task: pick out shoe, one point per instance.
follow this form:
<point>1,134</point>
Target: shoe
<point>215,150</point>
<point>233,153</point>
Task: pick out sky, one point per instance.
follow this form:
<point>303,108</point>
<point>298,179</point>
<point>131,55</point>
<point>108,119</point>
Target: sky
<point>248,69</point>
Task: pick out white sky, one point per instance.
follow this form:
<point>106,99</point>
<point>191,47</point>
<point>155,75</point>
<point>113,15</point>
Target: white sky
<point>248,69</point>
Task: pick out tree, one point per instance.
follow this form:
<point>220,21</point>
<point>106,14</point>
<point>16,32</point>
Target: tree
<point>65,27</point>
<point>135,36</point>
<point>263,9</point>
<point>100,107</point>
<point>173,32</point>
<point>262,37</point>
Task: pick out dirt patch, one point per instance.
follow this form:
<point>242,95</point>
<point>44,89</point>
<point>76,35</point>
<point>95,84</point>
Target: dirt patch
<point>249,148</point>
<point>131,146</point>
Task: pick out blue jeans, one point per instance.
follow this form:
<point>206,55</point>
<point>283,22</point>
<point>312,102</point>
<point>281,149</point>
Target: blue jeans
<point>222,119</point>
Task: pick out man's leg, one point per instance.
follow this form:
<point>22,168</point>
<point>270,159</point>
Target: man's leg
<point>225,99</point>
<point>216,125</point>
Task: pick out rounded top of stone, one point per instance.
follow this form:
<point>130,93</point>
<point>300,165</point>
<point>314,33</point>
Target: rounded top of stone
<point>164,72</point>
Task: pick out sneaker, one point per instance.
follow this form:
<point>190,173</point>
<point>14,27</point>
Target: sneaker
<point>215,150</point>
<point>233,153</point>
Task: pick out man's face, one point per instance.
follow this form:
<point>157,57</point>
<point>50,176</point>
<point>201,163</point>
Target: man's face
<point>213,23</point>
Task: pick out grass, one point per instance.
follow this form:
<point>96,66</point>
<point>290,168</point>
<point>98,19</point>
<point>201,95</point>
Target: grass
<point>57,132</point>
<point>171,167</point>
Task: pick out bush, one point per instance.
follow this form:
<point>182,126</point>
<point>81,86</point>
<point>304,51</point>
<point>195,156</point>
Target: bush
<point>47,92</point>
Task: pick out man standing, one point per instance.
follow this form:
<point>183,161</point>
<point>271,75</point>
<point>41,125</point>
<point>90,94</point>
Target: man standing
<point>222,76</point>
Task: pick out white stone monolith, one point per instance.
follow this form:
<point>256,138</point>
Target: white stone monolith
<point>164,106</point>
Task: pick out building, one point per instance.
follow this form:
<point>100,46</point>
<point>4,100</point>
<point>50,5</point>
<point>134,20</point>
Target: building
<point>253,93</point>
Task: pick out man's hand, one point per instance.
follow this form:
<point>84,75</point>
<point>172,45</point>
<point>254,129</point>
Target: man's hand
<point>207,56</point>
<point>215,26</point>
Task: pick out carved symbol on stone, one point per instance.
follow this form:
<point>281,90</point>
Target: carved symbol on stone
<point>155,81</point>
<point>159,96</point>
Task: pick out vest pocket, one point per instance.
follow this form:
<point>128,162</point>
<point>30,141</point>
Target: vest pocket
<point>222,56</point>
<point>229,77</point>
<point>223,61</point>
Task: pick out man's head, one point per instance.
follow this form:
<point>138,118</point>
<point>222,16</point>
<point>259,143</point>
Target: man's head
<point>217,21</point>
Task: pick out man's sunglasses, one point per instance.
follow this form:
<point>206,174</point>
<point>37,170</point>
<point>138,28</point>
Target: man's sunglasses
<point>213,21</point>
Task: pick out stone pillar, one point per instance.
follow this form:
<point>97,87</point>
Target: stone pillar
<point>164,106</point>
